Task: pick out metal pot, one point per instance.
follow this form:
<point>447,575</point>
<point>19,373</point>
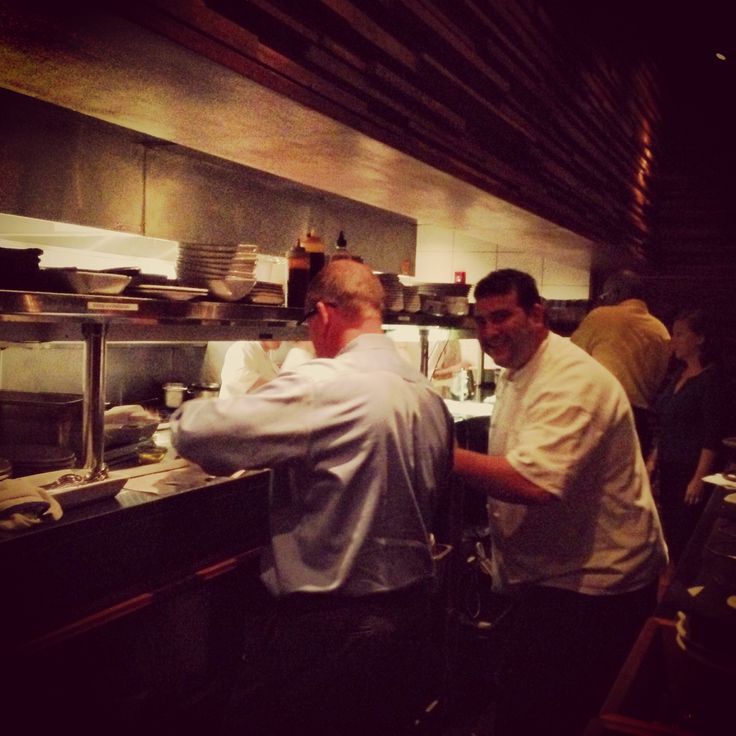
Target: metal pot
<point>174,394</point>
<point>204,390</point>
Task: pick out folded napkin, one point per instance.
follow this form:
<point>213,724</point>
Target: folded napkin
<point>23,504</point>
<point>718,479</point>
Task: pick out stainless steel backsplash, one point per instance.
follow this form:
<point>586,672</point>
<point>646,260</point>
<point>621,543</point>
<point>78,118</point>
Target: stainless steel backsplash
<point>63,166</point>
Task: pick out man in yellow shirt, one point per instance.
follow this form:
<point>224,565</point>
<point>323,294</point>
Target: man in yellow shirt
<point>624,337</point>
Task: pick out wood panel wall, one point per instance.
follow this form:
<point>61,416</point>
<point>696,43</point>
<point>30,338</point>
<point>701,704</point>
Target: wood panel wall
<point>692,246</point>
<point>498,93</point>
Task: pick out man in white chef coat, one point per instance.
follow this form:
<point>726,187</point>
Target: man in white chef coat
<point>366,444</point>
<point>248,365</point>
<point>576,541</point>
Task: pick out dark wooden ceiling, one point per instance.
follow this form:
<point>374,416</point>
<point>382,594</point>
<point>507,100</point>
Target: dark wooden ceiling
<point>509,96</point>
<point>612,119</point>
<point>693,222</point>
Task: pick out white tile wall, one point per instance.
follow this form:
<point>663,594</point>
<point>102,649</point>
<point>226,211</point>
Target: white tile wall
<point>435,266</point>
<point>463,243</point>
<point>431,238</point>
<point>524,261</point>
<point>475,264</point>
<point>563,274</point>
<point>442,251</point>
<point>565,292</point>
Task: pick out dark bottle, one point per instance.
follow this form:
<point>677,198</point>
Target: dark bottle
<point>341,249</point>
<point>297,260</point>
<point>315,248</point>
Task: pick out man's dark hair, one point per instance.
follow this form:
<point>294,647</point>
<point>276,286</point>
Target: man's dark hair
<point>506,280</point>
<point>702,323</point>
<point>623,285</point>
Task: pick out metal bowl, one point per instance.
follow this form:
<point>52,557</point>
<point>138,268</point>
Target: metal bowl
<point>230,289</point>
<point>94,282</point>
<point>432,305</point>
<point>128,434</point>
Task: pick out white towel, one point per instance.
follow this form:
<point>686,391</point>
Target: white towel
<point>24,504</point>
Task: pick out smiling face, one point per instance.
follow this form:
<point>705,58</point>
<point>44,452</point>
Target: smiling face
<point>506,332</point>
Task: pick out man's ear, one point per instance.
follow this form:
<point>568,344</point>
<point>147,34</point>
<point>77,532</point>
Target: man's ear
<point>323,313</point>
<point>537,313</point>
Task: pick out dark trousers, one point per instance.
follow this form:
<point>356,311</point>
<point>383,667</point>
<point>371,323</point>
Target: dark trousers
<point>561,652</point>
<point>678,520</point>
<point>335,666</point>
<point>644,421</point>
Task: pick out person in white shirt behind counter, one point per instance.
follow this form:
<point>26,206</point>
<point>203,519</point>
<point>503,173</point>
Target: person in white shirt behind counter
<point>248,365</point>
<point>444,361</point>
<point>300,352</point>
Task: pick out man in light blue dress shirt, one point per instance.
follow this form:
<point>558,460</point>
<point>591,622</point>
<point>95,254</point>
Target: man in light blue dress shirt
<point>366,446</point>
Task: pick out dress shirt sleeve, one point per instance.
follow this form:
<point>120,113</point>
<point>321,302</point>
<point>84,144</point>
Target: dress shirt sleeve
<point>264,429</point>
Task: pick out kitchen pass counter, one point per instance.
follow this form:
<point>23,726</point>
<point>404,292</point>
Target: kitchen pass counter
<point>162,526</point>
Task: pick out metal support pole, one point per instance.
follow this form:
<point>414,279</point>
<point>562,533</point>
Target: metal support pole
<point>424,350</point>
<point>93,420</point>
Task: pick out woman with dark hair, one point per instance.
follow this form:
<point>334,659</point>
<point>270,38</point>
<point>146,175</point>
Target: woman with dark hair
<point>690,425</point>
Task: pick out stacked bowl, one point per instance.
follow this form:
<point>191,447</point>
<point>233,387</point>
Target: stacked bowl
<point>393,290</point>
<point>440,298</point>
<point>226,269</point>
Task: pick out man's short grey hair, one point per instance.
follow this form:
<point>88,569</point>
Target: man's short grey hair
<point>348,285</point>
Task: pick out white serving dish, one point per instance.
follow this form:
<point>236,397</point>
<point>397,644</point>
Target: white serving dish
<point>76,493</point>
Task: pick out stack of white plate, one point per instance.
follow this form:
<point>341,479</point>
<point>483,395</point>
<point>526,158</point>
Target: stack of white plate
<point>199,263</point>
<point>265,292</point>
<point>440,298</point>
<point>441,290</point>
<point>412,302</point>
<point>393,290</point>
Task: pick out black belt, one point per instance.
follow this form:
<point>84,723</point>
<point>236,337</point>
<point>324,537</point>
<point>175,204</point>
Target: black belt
<point>416,592</point>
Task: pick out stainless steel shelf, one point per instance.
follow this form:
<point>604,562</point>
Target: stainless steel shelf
<point>420,319</point>
<point>49,308</point>
<point>43,317</point>
<point>33,316</point>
